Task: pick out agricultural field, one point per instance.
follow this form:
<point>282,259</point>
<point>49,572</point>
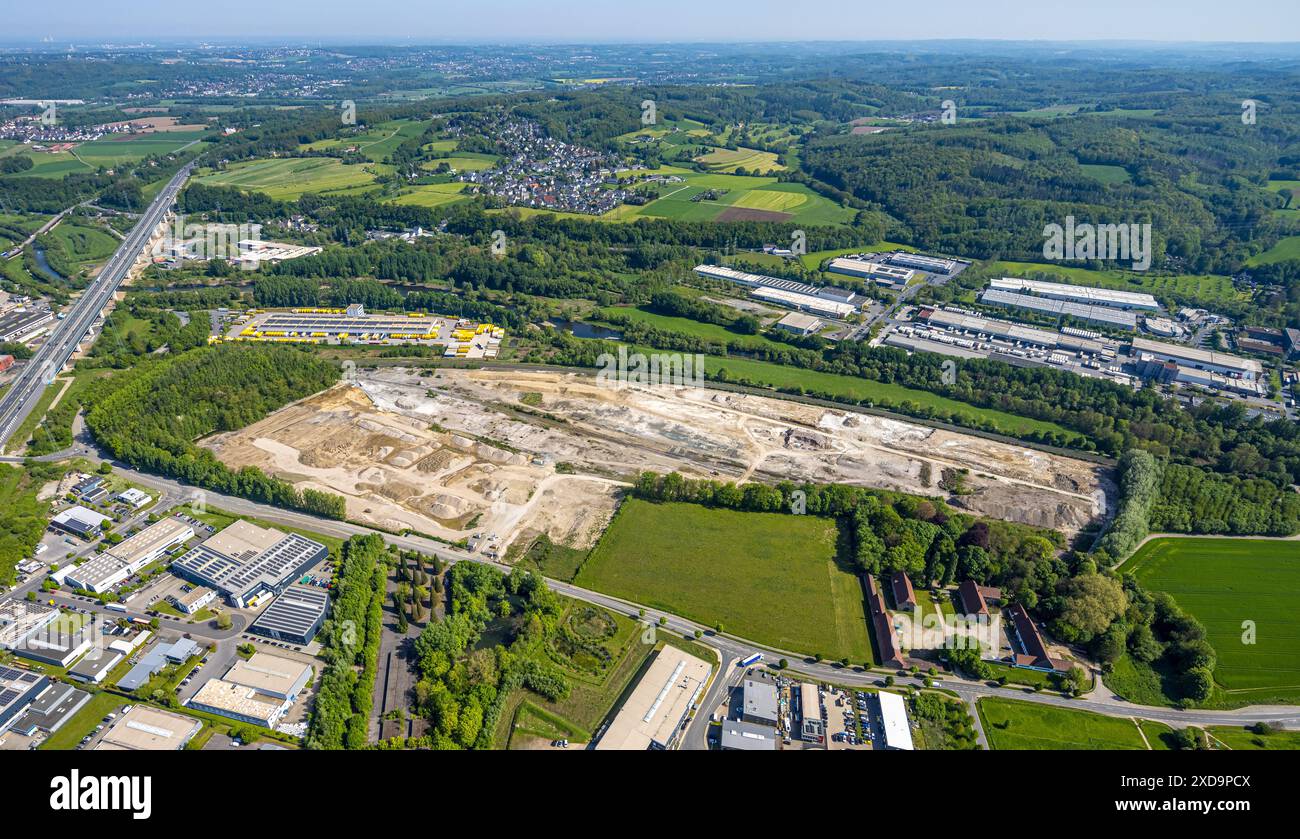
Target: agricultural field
<point>431,195</point>
<point>746,198</point>
<point>377,142</point>
<point>463,162</point>
<point>289,178</point>
<point>1203,289</point>
<point>769,577</point>
<point>751,160</point>
<point>1015,725</point>
<point>106,152</point>
<point>1224,582</point>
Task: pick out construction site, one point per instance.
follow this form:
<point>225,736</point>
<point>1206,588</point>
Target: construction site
<point>487,455</point>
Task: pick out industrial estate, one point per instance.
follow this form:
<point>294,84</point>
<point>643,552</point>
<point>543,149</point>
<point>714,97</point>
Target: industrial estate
<point>613,400</point>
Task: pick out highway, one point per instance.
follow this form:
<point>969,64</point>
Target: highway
<point>62,342</point>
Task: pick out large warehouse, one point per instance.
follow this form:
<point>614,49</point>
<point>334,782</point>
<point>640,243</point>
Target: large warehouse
<point>653,715</point>
<point>827,301</point>
<point>933,264</point>
<point>245,561</point>
<point>893,720</point>
<point>260,690</point>
<point>295,616</point>
<point>1199,359</point>
<point>121,561</point>
<point>1118,318</point>
<point>878,271</point>
<point>1088,295</point>
<point>145,728</point>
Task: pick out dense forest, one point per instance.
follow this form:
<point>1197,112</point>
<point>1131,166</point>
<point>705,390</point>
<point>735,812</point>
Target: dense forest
<point>151,416</point>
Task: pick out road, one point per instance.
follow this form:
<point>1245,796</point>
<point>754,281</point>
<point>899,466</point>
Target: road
<point>50,358</point>
<point>730,649</point>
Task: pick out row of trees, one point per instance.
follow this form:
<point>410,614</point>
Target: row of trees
<point>341,713</point>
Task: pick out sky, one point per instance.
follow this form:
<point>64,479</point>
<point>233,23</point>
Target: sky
<point>623,21</point>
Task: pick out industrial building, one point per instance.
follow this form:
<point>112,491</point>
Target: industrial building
<point>741,736</point>
<point>1150,367</point>
<point>79,522</point>
<point>295,616</point>
<point>95,664</point>
<point>803,302</point>
<point>260,690</point>
<point>877,271</point>
<point>932,264</point>
<point>826,301</point>
<point>1088,295</point>
<point>193,600</point>
<point>155,660</point>
<point>18,689</point>
<point>123,560</point>
<point>893,721</point>
<point>1117,318</point>
<point>657,708</point>
<point>145,728</point>
<point>245,562</point>
<point>798,324</point>
<point>1014,332</point>
<point>254,252</point>
<point>812,725</point>
<point>21,618</point>
<point>24,324</point>
<point>759,702</point>
<point>50,710</point>
<point>1199,359</point>
<point>136,498</point>
<point>57,643</point>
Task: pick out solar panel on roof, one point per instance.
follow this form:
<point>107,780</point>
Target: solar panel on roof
<point>9,673</point>
<point>8,695</point>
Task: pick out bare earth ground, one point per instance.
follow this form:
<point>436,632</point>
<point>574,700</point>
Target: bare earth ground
<point>455,452</point>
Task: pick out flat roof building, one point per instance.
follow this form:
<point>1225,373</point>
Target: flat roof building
<point>95,664</point>
<point>1089,295</point>
<point>933,264</point>
<point>271,675</point>
<point>20,618</point>
<point>244,561</point>
<point>759,702</point>
<point>145,728</point>
<point>49,711</point>
<point>804,302</point>
<point>79,521</point>
<point>812,726</point>
<point>656,710</point>
<point>193,600</point>
<point>741,736</point>
<point>121,561</point>
<point>878,271</point>
<point>295,616</point>
<point>820,300</point>
<point>18,689</point>
<point>800,324</point>
<point>21,324</point>
<point>893,721</point>
<point>1108,316</point>
<point>155,660</point>
<point>238,702</point>
<point>1196,358</point>
<point>136,498</point>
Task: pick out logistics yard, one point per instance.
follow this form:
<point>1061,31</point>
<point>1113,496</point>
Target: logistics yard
<point>461,338</point>
<point>455,453</point>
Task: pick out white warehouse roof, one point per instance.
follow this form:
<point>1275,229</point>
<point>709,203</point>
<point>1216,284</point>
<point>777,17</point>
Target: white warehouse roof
<point>1080,293</point>
<point>893,718</point>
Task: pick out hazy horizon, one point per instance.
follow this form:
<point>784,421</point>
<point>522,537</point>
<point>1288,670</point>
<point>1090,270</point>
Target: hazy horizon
<point>574,22</point>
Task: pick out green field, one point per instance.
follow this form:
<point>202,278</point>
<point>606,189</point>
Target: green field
<point>796,202</point>
<point>1224,582</point>
<point>289,178</point>
<point>1286,248</point>
<point>1105,173</point>
<point>432,195</point>
<point>768,577</point>
<point>465,162</point>
<point>708,331</point>
<point>1012,724</point>
<point>882,394</point>
<point>106,152</point>
<point>1236,738</point>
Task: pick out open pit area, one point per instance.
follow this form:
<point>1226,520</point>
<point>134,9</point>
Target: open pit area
<point>452,453</point>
